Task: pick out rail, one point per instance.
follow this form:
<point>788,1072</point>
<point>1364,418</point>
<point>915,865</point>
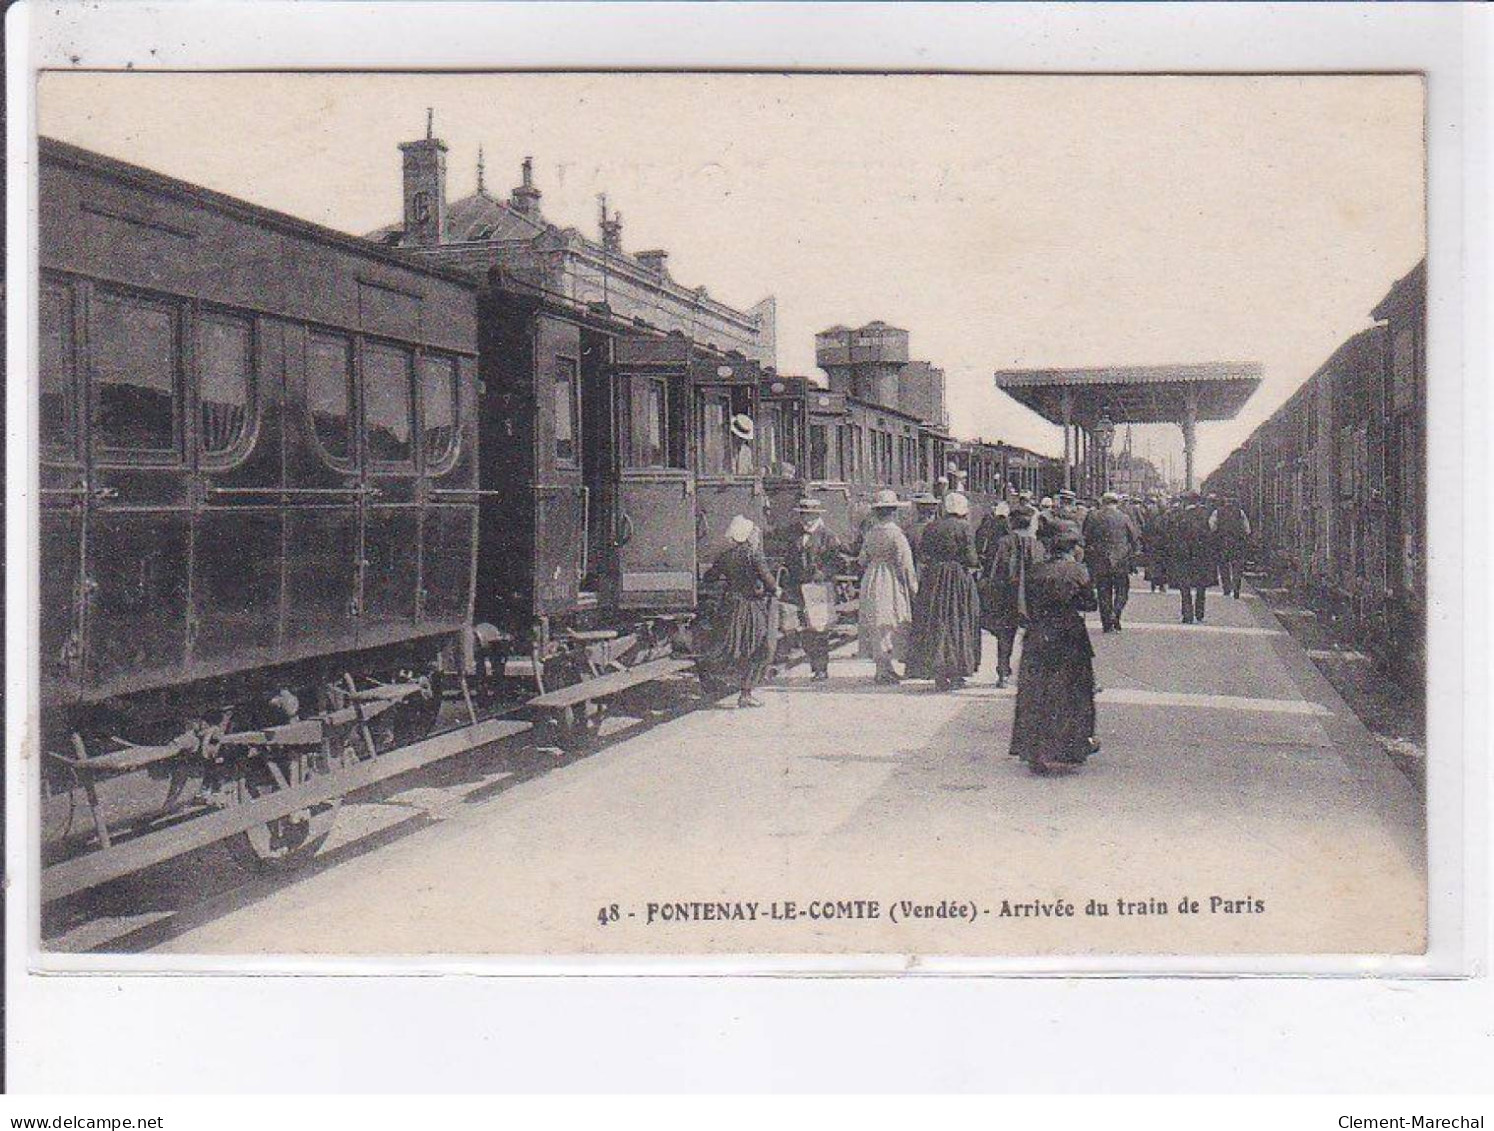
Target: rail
<point>90,870</point>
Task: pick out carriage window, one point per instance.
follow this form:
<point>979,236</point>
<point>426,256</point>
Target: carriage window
<point>59,406</point>
<point>386,413</point>
<point>438,406</point>
<point>768,439</point>
<point>642,405</point>
<point>329,394</point>
<point>134,347</point>
<point>714,435</point>
<point>227,360</point>
<point>565,410</point>
<point>819,452</point>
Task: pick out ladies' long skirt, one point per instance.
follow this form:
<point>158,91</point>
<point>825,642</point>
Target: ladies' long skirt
<point>946,624</point>
<point>885,612</point>
<point>1055,716</point>
<point>741,653</point>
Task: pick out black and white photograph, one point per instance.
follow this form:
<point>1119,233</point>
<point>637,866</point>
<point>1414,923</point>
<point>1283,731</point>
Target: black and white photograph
<point>571,514</point>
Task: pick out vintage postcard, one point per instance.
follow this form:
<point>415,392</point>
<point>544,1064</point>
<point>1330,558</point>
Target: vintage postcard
<point>715,514</point>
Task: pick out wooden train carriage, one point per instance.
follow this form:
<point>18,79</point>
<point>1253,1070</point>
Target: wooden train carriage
<point>985,470</point>
<point>1334,481</point>
<point>257,437</point>
<point>550,493</point>
<point>257,469</point>
<point>609,467</point>
<point>884,451</point>
<point>1403,312</point>
<point>1356,568</point>
<point>1029,471</point>
<point>804,432</point>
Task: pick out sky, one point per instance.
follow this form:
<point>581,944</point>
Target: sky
<point>1004,221</point>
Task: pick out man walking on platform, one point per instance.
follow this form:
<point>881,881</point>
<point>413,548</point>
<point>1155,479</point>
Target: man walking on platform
<point>810,584</point>
<point>1111,541</point>
<point>1192,566</point>
<point>1231,527</point>
<point>1070,509</point>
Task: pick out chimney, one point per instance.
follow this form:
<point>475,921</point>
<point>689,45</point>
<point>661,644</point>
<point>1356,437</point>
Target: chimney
<point>612,229</point>
<point>652,261</point>
<point>425,187</point>
<point>525,199</point>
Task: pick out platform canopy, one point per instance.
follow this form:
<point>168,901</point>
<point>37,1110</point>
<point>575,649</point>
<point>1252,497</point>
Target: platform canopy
<point>1078,400</point>
<point>1133,394</point>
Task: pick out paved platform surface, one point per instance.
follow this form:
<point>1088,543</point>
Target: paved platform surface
<point>1232,778</point>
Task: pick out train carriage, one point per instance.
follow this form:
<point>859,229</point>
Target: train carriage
<point>804,427</point>
<point>614,456</point>
<point>1333,483</point>
<point>257,462</point>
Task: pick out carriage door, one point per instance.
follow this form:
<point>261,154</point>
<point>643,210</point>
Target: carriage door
<point>655,527</point>
<point>390,512</point>
<point>137,529</point>
<point>729,479</point>
<point>598,464</point>
<point>64,491</point>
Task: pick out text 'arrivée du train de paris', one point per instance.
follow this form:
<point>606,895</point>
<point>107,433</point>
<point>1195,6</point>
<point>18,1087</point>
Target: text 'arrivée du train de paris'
<point>652,913</point>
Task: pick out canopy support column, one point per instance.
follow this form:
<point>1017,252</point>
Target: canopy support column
<point>1190,425</point>
<point>1067,401</point>
<point>1083,460</point>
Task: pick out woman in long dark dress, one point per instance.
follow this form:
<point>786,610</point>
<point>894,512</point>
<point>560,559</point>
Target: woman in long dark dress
<point>1012,555</point>
<point>946,611</point>
<point>742,651</point>
<point>1054,727</point>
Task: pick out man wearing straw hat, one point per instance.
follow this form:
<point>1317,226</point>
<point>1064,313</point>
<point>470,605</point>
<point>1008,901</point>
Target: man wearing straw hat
<point>742,432</point>
<point>809,578</point>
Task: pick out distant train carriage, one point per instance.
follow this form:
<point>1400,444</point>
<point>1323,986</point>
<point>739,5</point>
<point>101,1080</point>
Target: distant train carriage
<point>1403,312</point>
<point>1334,482</point>
<point>885,451</point>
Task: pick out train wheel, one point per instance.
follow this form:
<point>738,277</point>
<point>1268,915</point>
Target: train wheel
<point>408,721</point>
<point>290,841</point>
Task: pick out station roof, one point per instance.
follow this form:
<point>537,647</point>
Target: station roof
<point>1133,394</point>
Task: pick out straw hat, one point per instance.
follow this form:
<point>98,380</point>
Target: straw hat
<point>886,499</point>
<point>809,505</point>
<point>956,504</point>
<point>741,426</point>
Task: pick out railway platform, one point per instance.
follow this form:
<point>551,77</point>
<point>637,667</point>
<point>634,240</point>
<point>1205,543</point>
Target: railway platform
<point>1232,776</point>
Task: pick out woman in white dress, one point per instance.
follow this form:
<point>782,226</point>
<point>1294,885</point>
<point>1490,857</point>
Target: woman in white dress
<point>888,583</point>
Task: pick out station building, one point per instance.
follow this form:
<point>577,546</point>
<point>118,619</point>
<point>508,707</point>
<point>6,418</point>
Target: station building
<point>483,232</point>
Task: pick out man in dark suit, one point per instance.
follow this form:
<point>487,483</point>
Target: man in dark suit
<point>1111,541</point>
<point>1193,566</point>
<point>812,563</point>
<point>1231,527</point>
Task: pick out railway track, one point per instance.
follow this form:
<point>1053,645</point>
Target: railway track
<point>448,772</point>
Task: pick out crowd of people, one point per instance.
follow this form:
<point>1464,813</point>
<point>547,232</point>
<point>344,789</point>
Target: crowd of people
<point>931,587</point>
